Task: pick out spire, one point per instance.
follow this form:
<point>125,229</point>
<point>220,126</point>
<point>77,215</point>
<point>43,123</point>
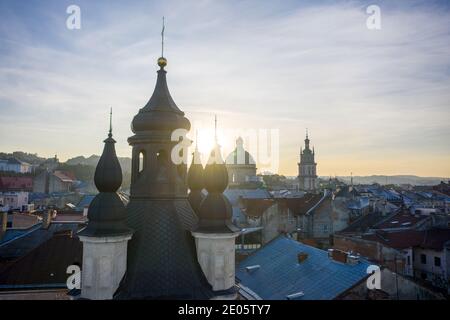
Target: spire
<point>162,62</point>
<point>307,140</point>
<point>110,123</point>
<point>106,212</point>
<point>215,128</point>
<point>162,37</point>
<point>161,112</point>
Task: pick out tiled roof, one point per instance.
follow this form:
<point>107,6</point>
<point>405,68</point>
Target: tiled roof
<point>64,176</point>
<point>16,184</point>
<point>434,239</point>
<point>363,223</point>
<point>235,194</point>
<point>280,274</point>
<point>403,219</point>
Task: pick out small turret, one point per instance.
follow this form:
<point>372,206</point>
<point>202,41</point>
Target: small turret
<point>215,235</point>
<point>106,236</point>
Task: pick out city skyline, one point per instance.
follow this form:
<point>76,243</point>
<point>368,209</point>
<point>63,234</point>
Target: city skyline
<point>375,101</point>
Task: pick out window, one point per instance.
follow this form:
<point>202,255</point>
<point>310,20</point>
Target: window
<point>409,260</point>
<point>437,261</point>
<point>423,258</point>
<point>141,161</point>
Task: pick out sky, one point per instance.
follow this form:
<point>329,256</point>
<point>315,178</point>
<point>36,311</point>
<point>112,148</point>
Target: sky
<point>374,101</point>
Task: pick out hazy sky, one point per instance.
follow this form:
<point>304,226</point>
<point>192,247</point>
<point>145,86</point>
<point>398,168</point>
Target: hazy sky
<point>375,101</point>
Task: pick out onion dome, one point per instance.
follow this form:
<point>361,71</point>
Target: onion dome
<point>239,156</point>
<point>216,174</point>
<point>195,182</point>
<point>215,210</point>
<point>160,112</point>
<point>106,213</point>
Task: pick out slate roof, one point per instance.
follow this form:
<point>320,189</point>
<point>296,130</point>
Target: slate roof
<point>434,239</point>
<point>280,274</point>
<point>363,223</point>
<point>26,241</point>
<point>402,219</point>
<point>44,266</point>
<point>162,260</point>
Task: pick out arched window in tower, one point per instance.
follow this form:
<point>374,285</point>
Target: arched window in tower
<point>141,162</point>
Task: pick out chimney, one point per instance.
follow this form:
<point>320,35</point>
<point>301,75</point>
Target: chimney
<point>3,223</point>
<point>47,219</point>
<point>302,256</point>
<point>337,255</point>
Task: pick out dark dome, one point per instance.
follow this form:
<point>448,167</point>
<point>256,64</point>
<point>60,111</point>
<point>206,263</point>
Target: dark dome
<point>160,112</point>
<point>195,198</point>
<point>215,210</point>
<point>106,216</point>
<point>108,173</point>
<point>215,175</point>
<point>195,177</point>
<point>106,213</point>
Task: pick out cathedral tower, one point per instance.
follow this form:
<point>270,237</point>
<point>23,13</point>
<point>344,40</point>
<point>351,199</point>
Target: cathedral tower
<point>307,168</point>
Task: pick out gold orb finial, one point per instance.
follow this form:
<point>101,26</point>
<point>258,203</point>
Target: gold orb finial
<point>162,62</point>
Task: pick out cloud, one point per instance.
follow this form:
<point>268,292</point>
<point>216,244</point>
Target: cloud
<point>255,63</point>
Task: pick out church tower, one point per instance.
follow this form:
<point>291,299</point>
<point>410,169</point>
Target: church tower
<point>106,236</point>
<point>162,261</point>
<point>307,168</point>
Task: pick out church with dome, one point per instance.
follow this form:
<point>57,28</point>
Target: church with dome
<point>241,166</point>
<point>165,243</point>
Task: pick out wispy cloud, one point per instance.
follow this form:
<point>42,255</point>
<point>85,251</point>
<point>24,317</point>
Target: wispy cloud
<point>364,94</point>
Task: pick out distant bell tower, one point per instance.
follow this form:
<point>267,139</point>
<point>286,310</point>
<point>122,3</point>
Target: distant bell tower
<point>307,168</point>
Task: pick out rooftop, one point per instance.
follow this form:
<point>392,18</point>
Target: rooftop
<point>280,274</point>
<point>16,183</point>
<point>434,239</point>
<point>403,219</point>
<point>44,266</point>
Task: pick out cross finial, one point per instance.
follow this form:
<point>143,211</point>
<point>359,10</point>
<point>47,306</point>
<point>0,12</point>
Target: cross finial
<point>306,133</point>
<point>110,123</point>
